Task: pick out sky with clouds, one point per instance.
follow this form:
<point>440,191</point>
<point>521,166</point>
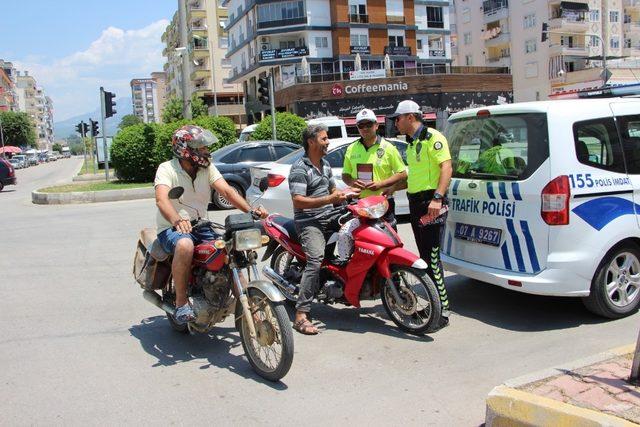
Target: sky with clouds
<point>72,47</point>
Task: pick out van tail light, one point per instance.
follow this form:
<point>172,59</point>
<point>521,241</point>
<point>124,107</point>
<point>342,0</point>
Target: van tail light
<point>555,201</point>
<point>274,179</point>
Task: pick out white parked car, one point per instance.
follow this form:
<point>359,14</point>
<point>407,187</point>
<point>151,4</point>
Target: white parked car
<point>277,197</point>
<point>545,199</point>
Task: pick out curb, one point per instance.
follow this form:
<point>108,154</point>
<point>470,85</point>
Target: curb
<point>88,177</point>
<point>508,406</point>
<point>91,196</point>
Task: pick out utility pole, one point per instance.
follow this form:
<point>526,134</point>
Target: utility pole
<point>2,137</point>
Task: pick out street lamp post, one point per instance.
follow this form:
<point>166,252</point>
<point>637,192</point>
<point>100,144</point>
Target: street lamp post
<point>180,51</point>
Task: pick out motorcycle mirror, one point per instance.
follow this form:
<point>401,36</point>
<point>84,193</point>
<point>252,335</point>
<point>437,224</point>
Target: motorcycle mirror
<point>264,184</point>
<point>176,192</point>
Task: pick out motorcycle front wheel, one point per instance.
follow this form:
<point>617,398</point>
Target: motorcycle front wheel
<point>270,352</point>
<point>419,309</point>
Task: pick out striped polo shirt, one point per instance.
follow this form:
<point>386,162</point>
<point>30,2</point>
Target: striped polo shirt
<point>307,180</point>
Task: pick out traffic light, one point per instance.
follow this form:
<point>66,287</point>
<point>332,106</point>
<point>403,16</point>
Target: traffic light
<point>109,104</point>
<point>85,128</point>
<point>263,90</point>
<point>80,128</point>
<point>545,28</point>
<point>95,129</point>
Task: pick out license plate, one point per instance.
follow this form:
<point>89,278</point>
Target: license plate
<point>477,234</point>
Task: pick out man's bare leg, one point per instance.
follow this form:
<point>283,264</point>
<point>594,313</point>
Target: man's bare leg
<point>180,268</point>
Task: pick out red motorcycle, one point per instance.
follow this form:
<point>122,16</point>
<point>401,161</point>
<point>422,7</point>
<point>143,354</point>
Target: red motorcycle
<point>379,267</point>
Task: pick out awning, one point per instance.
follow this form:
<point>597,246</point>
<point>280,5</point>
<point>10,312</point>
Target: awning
<point>10,149</point>
<point>571,5</point>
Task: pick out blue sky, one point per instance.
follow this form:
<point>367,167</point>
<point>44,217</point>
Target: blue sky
<point>73,47</point>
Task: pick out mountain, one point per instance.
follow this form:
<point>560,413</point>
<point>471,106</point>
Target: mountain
<point>67,127</point>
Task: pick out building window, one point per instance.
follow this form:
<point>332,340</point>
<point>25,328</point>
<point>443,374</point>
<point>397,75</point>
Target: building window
<point>594,41</point>
<point>396,41</point>
<point>615,42</point>
<point>419,44</point>
<point>358,11</point>
<point>287,44</point>
<point>594,15</point>
<point>530,20</point>
<point>395,10</point>
<point>468,60</point>
<point>434,17</point>
<point>467,38</point>
<point>531,70</point>
<point>614,16</point>
<point>466,15</point>
<point>225,63</point>
<point>359,40</point>
<point>530,46</point>
<point>281,13</point>
<point>322,42</point>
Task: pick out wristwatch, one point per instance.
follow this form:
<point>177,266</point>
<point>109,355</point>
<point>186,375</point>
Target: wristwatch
<point>437,196</point>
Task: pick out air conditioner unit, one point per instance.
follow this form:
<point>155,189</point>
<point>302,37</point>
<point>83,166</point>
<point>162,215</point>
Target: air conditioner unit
<point>265,39</point>
<point>265,46</point>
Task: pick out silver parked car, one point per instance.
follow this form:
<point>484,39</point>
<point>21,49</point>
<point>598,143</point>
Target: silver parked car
<point>277,197</point>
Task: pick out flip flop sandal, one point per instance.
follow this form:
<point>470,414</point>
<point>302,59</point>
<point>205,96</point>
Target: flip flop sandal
<point>305,327</point>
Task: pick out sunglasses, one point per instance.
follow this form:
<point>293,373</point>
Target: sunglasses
<point>365,125</point>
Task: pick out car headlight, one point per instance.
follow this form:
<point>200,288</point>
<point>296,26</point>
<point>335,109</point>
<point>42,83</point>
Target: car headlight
<point>374,211</point>
<point>248,239</point>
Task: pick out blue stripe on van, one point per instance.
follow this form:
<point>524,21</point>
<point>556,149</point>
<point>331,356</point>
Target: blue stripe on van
<point>490,190</point>
<point>503,190</point>
<point>505,256</point>
<point>531,247</point>
<point>515,187</point>
<point>454,190</point>
<point>449,240</point>
<point>516,245</point>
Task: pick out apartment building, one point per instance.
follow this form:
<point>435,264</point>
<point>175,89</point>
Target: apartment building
<point>334,57</point>
<point>499,32</point>
<point>33,100</point>
<point>149,97</point>
<point>196,46</point>
<point>8,95</point>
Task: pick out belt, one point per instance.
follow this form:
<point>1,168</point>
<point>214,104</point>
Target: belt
<point>421,195</point>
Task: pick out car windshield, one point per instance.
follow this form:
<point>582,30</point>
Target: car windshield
<point>500,147</point>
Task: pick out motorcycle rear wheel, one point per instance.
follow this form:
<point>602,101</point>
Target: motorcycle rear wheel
<point>273,333</point>
<point>281,261</point>
<point>421,309</point>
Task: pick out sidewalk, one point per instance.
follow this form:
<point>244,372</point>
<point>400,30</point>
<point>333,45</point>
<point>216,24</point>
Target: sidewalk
<point>591,391</point>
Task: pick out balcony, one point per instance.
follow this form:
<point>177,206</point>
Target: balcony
<point>573,49</point>
<point>499,61</point>
<point>503,38</point>
<point>228,110</point>
<point>198,30</point>
<point>202,90</point>
<point>358,18</point>
<point>282,22</point>
<point>196,11</point>
<point>198,52</point>
<point>200,73</point>
<point>632,5</point>
<point>495,10</point>
<point>570,22</point>
<point>393,19</point>
<point>437,53</point>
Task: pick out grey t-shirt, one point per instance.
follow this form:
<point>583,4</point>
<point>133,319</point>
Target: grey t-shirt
<point>306,180</point>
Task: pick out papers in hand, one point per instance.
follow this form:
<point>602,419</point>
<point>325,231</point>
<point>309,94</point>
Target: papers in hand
<point>365,172</point>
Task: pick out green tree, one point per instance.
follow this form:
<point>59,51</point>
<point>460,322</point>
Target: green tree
<point>132,153</point>
<point>18,129</point>
<point>172,110</point>
<point>57,147</point>
<point>129,120</point>
<point>222,127</point>
<point>198,107</point>
<point>289,127</point>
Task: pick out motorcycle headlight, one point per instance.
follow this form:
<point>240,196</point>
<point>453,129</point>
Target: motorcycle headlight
<point>374,211</point>
<point>248,239</point>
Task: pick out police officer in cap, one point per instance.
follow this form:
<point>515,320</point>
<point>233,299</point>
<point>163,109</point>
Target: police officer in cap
<point>428,179</point>
<point>371,163</point>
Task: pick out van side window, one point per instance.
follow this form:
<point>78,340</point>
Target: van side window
<point>629,127</point>
<point>336,157</point>
<point>334,132</point>
<point>597,144</point>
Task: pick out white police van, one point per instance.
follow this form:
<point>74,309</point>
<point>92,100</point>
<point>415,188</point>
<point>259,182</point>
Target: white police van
<point>545,199</point>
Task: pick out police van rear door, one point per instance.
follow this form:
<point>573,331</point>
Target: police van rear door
<point>500,166</point>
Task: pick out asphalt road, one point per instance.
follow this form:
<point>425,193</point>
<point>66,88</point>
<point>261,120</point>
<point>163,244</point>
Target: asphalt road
<point>79,345</point>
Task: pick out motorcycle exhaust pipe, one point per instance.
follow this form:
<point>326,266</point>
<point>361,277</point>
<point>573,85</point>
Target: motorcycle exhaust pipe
<point>278,280</point>
<point>156,300</point>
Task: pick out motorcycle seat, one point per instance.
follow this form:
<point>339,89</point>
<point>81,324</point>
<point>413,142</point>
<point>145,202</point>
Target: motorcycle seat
<point>289,225</point>
<point>148,237</point>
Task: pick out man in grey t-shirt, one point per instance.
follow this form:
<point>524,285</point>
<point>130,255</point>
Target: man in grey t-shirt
<point>313,192</point>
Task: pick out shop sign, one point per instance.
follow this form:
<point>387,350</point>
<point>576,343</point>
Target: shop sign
<point>363,50</point>
<point>291,52</point>
<point>398,50</point>
<point>367,74</point>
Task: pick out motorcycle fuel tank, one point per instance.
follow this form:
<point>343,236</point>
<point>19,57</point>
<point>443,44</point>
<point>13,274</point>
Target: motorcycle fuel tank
<point>205,253</point>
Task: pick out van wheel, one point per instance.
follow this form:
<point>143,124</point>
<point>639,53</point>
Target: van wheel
<point>615,289</point>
